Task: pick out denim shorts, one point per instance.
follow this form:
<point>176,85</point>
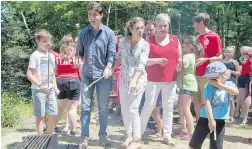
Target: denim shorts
<point>184,92</point>
<point>40,103</point>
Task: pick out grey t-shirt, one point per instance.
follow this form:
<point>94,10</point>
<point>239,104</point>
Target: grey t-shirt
<point>39,62</point>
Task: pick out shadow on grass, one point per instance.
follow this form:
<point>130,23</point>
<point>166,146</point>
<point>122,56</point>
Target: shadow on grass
<point>236,139</point>
<point>12,145</point>
<point>26,130</point>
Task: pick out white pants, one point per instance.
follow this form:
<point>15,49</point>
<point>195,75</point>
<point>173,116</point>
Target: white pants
<point>129,108</point>
<point>168,91</point>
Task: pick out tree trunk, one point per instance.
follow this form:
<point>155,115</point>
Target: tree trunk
<point>108,14</point>
<point>24,20</point>
<point>237,29</point>
<point>116,20</point>
<point>218,21</point>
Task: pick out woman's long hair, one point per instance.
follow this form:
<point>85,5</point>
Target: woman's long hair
<point>66,47</point>
<point>130,24</point>
<point>196,46</point>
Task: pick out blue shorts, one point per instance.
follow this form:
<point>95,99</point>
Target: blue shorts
<point>185,92</point>
<point>40,103</point>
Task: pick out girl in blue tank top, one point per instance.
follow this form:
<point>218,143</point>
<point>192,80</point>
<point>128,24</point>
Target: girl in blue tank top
<point>233,66</point>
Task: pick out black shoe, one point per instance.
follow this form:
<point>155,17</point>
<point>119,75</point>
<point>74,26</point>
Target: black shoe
<point>74,133</point>
<point>57,130</point>
<point>104,140</point>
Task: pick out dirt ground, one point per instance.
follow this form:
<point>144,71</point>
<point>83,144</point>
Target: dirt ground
<point>236,136</point>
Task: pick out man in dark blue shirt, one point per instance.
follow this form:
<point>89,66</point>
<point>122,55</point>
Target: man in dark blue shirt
<point>96,45</point>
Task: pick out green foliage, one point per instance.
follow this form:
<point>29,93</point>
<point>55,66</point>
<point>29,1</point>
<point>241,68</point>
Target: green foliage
<point>14,107</point>
<point>229,19</point>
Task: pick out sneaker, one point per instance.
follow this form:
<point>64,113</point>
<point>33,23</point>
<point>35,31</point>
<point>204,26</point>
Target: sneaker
<point>169,141</point>
<point>74,133</point>
<point>65,129</point>
<point>187,137</point>
<point>182,132</point>
<point>83,144</point>
<point>104,140</point>
<point>57,130</point>
<point>127,141</point>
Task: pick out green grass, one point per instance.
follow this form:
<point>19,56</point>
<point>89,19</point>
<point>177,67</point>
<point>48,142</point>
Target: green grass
<point>14,109</point>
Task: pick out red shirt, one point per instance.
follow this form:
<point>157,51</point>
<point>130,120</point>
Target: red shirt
<point>246,68</point>
<point>118,69</point>
<point>211,43</point>
<point>163,73</point>
<point>65,68</point>
<point>250,73</point>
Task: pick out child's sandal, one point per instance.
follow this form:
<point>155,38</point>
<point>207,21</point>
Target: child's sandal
<point>243,124</point>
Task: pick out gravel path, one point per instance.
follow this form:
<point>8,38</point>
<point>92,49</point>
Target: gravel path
<point>236,137</point>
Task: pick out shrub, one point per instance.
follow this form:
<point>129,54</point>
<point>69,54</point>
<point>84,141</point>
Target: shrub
<point>13,108</point>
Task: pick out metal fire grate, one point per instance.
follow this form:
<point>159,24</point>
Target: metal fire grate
<point>34,142</point>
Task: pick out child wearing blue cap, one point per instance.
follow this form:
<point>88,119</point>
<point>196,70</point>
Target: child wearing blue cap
<point>217,94</point>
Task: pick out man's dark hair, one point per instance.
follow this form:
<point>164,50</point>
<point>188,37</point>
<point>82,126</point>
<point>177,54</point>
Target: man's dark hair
<point>204,17</point>
<point>149,22</point>
<point>95,5</point>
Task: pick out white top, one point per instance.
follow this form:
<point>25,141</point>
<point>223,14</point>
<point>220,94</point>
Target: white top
<point>39,62</point>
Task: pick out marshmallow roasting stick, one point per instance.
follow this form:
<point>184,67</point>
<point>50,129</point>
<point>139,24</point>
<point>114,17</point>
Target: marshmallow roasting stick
<point>86,88</point>
<point>48,75</point>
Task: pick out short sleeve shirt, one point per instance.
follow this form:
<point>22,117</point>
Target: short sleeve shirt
<point>219,99</point>
<point>39,62</point>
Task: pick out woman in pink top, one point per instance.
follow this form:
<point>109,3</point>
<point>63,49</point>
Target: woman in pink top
<point>165,54</point>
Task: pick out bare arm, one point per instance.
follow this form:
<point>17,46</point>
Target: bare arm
<point>237,71</point>
<point>229,89</point>
<point>31,77</point>
<point>136,76</point>
<point>54,79</point>
<point>209,110</point>
<point>216,58</point>
<point>202,60</point>
<point>250,83</point>
<point>151,61</point>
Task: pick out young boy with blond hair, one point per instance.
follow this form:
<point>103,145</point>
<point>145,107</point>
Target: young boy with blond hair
<point>41,73</point>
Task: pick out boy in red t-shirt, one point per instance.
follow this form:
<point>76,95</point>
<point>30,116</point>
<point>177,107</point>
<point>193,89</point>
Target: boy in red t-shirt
<point>212,51</point>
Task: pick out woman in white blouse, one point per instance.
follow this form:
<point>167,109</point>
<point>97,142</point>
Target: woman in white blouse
<point>133,55</point>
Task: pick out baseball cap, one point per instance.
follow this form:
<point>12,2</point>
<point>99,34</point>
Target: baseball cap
<point>214,69</point>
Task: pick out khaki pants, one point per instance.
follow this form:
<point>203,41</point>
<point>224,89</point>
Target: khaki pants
<point>201,86</point>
